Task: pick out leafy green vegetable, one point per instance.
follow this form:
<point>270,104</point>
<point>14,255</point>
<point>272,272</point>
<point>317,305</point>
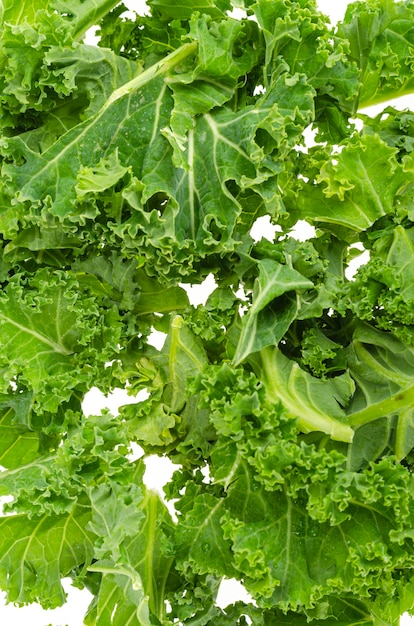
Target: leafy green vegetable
<point>133,167</point>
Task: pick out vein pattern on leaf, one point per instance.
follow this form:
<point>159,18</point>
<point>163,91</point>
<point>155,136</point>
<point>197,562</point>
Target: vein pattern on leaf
<point>134,168</point>
<point>25,543</point>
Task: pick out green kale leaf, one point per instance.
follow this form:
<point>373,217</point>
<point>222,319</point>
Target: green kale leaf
<point>136,167</point>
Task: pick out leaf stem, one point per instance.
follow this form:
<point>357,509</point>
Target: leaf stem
<point>145,77</point>
<point>383,99</point>
<point>281,387</point>
<point>398,401</point>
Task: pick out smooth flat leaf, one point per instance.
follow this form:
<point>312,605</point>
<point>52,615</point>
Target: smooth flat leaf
<point>266,328</point>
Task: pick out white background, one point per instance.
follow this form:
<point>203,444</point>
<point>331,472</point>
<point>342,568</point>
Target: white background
<point>158,472</point>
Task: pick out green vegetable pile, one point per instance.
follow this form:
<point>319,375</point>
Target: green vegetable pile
<point>140,165</point>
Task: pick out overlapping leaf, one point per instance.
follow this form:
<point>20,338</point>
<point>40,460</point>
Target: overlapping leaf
<point>262,326</point>
<point>134,563</point>
<point>170,419</point>
<point>381,38</point>
<point>244,516</point>
<point>355,187</point>
<point>133,166</point>
<point>382,367</point>
<point>198,214</point>
<point>316,404</point>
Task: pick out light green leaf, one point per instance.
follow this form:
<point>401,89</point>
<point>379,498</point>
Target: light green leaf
<point>355,187</point>
<point>186,358</point>
<point>156,297</point>
<point>18,444</point>
<point>145,162</point>
<point>170,415</point>
<point>395,127</point>
<point>227,51</point>
<point>80,15</point>
<point>37,553</point>
<point>101,177</point>
<point>298,33</point>
<point>41,68</point>
<point>391,371</point>
<point>168,9</point>
<point>349,612</point>
<point>43,243</point>
<point>381,37</point>
<point>135,573</point>
<point>383,288</point>
<point>48,326</point>
<point>266,328</point>
<point>202,546</point>
<point>275,279</point>
<point>171,208</point>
